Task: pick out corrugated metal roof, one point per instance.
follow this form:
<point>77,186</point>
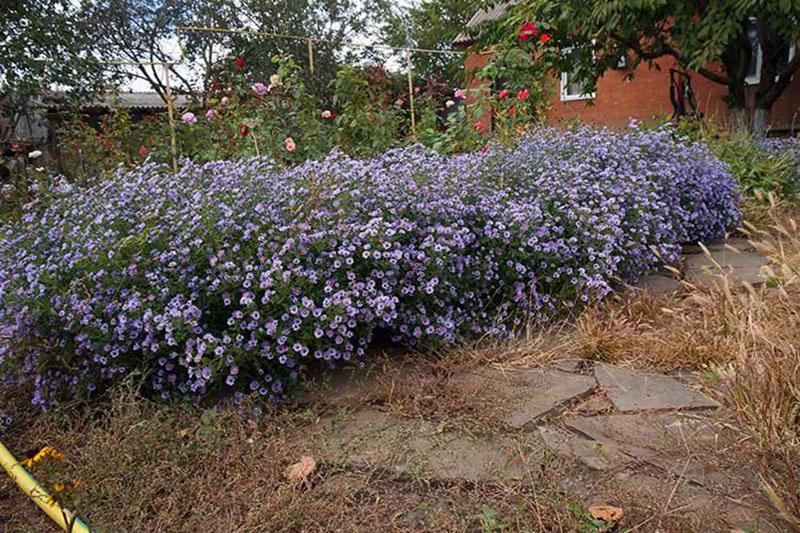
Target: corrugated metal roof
<point>480,17</point>
<point>129,100</point>
<point>134,100</point>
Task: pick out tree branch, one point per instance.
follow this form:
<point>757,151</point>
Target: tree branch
<point>667,50</point>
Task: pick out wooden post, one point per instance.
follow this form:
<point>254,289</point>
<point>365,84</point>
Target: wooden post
<point>411,94</point>
<point>310,55</point>
<point>171,115</point>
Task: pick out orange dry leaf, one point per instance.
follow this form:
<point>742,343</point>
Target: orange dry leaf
<point>298,473</point>
<point>607,513</point>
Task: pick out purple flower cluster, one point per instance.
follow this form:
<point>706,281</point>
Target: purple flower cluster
<point>788,147</point>
<point>238,277</point>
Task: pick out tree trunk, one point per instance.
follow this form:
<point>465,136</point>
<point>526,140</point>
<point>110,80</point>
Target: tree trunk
<point>761,119</point>
<point>740,120</point>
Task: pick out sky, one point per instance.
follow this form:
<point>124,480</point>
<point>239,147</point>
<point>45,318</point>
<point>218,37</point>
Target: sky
<point>172,48</point>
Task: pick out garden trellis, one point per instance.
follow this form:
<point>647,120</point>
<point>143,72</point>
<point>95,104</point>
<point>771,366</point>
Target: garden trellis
<point>310,41</point>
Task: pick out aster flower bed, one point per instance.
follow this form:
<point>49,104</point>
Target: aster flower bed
<point>241,277</point>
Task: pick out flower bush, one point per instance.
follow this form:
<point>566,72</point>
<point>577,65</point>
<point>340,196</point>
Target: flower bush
<point>240,277</point>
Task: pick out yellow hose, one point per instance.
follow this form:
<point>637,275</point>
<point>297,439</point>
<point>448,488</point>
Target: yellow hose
<point>61,516</point>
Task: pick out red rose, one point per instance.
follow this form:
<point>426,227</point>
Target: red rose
<point>523,95</point>
<point>485,148</point>
<point>512,111</point>
<point>143,150</point>
<point>528,31</point>
<point>479,126</point>
<point>243,131</point>
<point>544,38</point>
<point>239,62</point>
<point>504,94</point>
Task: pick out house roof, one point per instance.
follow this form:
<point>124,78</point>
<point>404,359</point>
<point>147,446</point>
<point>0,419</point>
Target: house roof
<point>127,100</point>
<point>483,15</point>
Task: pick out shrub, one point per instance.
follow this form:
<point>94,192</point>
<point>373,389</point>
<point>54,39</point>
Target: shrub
<point>758,166</point>
<point>237,276</point>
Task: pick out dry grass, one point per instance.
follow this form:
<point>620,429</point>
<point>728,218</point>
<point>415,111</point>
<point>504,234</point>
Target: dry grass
<point>146,467</point>
<point>746,342</point>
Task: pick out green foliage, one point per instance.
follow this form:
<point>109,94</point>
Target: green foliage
<point>369,112</point>
<point>694,34</point>
<point>43,42</point>
<point>432,25</point>
<point>756,168</point>
<point>761,166</point>
<point>368,122</point>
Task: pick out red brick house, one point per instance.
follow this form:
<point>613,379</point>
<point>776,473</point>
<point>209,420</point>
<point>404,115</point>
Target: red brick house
<point>617,98</point>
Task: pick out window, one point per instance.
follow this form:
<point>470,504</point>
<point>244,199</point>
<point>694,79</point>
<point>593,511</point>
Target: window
<point>571,89</point>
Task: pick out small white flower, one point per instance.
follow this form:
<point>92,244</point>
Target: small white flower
<point>39,169</point>
<point>34,154</point>
<point>449,104</point>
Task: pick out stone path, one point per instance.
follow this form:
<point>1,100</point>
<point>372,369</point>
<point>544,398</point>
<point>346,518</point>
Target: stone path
<point>734,259</point>
<point>620,427</point>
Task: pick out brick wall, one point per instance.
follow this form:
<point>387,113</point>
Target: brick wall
<point>646,97</point>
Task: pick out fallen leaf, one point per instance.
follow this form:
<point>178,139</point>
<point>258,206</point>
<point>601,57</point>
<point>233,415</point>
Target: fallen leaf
<point>298,473</point>
<point>607,513</point>
<point>183,432</point>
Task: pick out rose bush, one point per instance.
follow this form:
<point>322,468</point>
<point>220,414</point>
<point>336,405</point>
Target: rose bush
<point>240,277</point>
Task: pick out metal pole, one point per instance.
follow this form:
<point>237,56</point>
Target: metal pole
<point>411,94</point>
<point>171,114</point>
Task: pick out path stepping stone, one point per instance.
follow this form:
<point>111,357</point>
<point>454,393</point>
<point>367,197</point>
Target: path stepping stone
<point>370,439</point>
<point>675,443</point>
<point>525,395</point>
<point>595,454</point>
<point>741,266</point>
<point>635,390</point>
<point>659,285</point>
<point>742,245</point>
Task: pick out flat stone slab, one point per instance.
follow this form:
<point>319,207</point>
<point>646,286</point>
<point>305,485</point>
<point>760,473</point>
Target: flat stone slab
<point>371,439</point>
<point>675,443</point>
<point>742,245</point>
<point>635,390</point>
<point>659,285</point>
<point>742,266</point>
<point>524,395</point>
<point>597,455</point>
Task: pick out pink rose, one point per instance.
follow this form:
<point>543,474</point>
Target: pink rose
<point>188,118</point>
<point>460,94</point>
<point>290,144</point>
<point>225,100</point>
<point>326,114</point>
<point>259,88</point>
<point>211,115</point>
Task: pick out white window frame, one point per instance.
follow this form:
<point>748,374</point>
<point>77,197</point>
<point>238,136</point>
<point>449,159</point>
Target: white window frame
<point>565,96</point>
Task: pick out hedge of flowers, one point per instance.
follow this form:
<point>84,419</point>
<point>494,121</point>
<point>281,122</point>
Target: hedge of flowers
<point>239,277</point>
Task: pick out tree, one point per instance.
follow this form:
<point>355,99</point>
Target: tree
<point>44,44</point>
<point>332,22</point>
<point>144,30</point>
<point>139,31</point>
<point>714,38</point>
<point>432,25</point>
